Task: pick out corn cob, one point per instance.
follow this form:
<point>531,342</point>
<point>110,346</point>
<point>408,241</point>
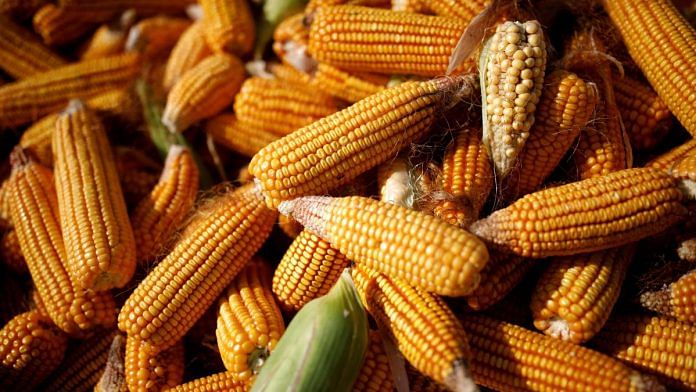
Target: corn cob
<point>655,345</point>
<point>24,101</point>
<point>157,216</point>
<point>203,91</point>
<point>143,7</point>
<point>419,382</point>
<point>109,39</point>
<point>346,86</point>
<point>288,74</point>
<point>685,170</point>
<point>565,106</point>
<point>290,227</point>
<point>502,273</point>
<point>415,6</point>
<point>220,382</point>
<point>98,237</point>
<point>249,322</point>
<point>424,329</point>
<point>12,254</point>
<point>21,54</point>
<point>146,371</point>
<point>58,26</point>
<point>156,35</point>
<point>375,374</point>
<point>35,215</point>
<point>189,50</point>
<point>677,300</point>
<point>510,358</point>
<point>687,249</point>
<point>5,203</point>
<point>113,379</point>
<point>667,66</point>
<point>290,40</point>
<point>665,161</point>
<point>586,216</point>
<point>225,129</point>
<point>20,8</point>
<point>30,348</point>
<point>228,25</point>
<point>309,268</point>
<point>394,182</point>
<point>207,257</point>
<point>465,10</point>
<point>345,144</point>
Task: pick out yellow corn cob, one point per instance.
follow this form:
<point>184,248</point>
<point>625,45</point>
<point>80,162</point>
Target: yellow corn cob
<point>586,216</point>
<point>288,74</point>
<point>189,50</point>
<point>249,322</point>
<point>30,348</point>
<point>419,382</point>
<point>98,237</point>
<point>270,105</point>
<point>5,203</point>
<point>502,273</point>
<point>12,254</point>
<point>383,41</point>
<point>228,25</point>
<point>146,371</point>
<point>35,215</point>
<point>156,35</point>
<point>207,257</point>
<point>138,174</point>
<point>336,149</point>
<point>109,39</point>
<point>157,216</point>
<point>424,329</point>
<point>346,86</point>
<point>113,379</point>
<point>575,295</point>
<point>465,10</point>
<point>225,129</point>
<point>143,7</point>
<point>655,345</point>
<point>677,300</point>
<point>58,26</point>
<point>510,358</point>
<point>375,374</point>
<point>219,382</point>
<point>685,168</point>
<point>668,66</point>
<point>565,106</point>
<point>21,54</point>
<point>415,6</point>
<point>25,101</point>
<point>203,91</point>
<point>363,230</point>
<point>290,40</point>
<point>665,161</point>
<point>308,270</point>
<point>290,227</point>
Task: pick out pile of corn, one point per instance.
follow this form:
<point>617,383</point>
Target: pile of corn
<point>359,195</point>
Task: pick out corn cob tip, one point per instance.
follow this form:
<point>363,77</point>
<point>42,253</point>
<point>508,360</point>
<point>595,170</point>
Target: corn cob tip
<point>74,106</point>
<point>558,328</point>
<point>460,380</point>
<point>309,211</point>
<point>643,382</point>
<point>688,188</point>
<point>19,157</point>
<point>195,12</point>
<point>687,250</point>
<point>658,301</point>
<point>171,125</point>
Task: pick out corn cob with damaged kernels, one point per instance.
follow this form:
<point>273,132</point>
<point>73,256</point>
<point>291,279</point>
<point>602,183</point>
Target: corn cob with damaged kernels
<point>375,374</point>
<point>146,371</point>
<point>109,39</point>
<point>226,130</point>
<point>189,50</point>
<point>228,25</point>
<point>11,253</point>
<point>21,54</point>
<point>677,300</point>
<point>502,273</point>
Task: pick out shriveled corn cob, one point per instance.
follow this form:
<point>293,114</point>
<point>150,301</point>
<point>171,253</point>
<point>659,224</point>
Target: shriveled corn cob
<point>383,41</point>
<point>59,26</point>
<point>156,35</point>
<point>98,237</point>
<point>157,216</point>
<point>30,348</point>
<point>341,84</point>
<point>143,7</point>
<point>655,345</point>
<point>668,66</point>
<point>502,273</point>
<point>109,39</point>
<point>207,257</point>
<point>575,295</point>
<point>465,10</point>
<point>249,322</point>
<point>586,216</point>
<point>21,54</point>
<point>113,379</point>
<point>11,253</point>
<point>228,25</point>
<point>345,144</point>
<point>147,371</point>
<point>35,215</point>
<point>362,229</point>
<point>666,161</point>
<point>25,101</point>
<point>677,300</point>
<point>219,382</point>
<point>375,374</point>
<point>308,270</point>
<point>422,326</point>
<point>226,130</point>
<point>394,182</point>
<point>289,226</point>
<point>565,106</point>
<point>510,358</point>
<point>203,91</point>
<point>189,50</point>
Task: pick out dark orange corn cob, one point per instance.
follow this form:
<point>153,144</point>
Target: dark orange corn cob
<point>98,237</point>
<point>146,371</point>
<point>424,329</point>
<point>375,374</point>
<point>113,378</point>
<point>289,226</point>
<point>506,357</point>
<point>58,26</point>
<point>350,87</point>
<point>575,294</point>
<point>225,129</point>
<point>30,348</point>
<point>21,54</point>
<point>5,203</point>
<point>156,217</point>
<point>228,25</point>
<point>219,382</point>
<point>156,35</point>
<point>653,344</point>
<point>677,300</point>
<point>502,273</point>
<point>27,100</point>
<point>189,50</point>
<point>11,253</point>
<point>668,66</point>
<point>109,39</point>
<point>586,216</point>
<point>209,254</point>
<point>308,270</point>
<point>666,161</point>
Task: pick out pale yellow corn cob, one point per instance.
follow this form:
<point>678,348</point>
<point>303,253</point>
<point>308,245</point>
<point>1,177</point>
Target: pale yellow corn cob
<point>21,54</point>
<point>11,253</point>
<point>146,371</point>
<point>228,25</point>
<point>375,374</point>
<point>225,129</point>
<point>58,26</point>
<point>109,39</point>
<point>155,36</point>
<point>189,50</point>
<point>341,84</point>
<point>678,300</point>
<point>502,273</point>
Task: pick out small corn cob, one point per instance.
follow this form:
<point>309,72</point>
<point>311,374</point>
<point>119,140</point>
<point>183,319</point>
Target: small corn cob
<point>113,378</point>
<point>586,216</point>
<point>666,161</point>
<point>465,10</point>
<point>225,129</point>
<point>228,25</point>
<point>655,345</point>
<point>394,182</point>
<point>5,203</point>
<point>25,101</point>
<point>575,295</point>
<point>289,226</point>
<point>209,254</point>
<point>30,348</point>
<point>512,74</point>
<point>12,253</point>
<point>220,382</point>
<point>21,54</point>
<point>189,50</point>
<point>309,268</point>
<point>249,322</point>
<point>203,91</point>
<point>565,106</point>
<point>346,86</point>
<point>502,273</point>
<point>347,143</point>
<point>157,216</point>
<point>363,230</point>
<point>109,39</point>
<point>667,66</point>
<point>146,371</point>
<point>143,7</point>
<point>58,26</point>
<point>678,300</point>
<point>424,329</point>
<point>510,358</point>
<point>375,374</point>
<point>383,41</point>
<point>156,35</point>
<point>98,237</point>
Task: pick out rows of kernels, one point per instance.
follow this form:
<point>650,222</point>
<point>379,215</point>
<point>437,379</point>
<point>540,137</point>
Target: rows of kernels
<point>147,371</point>
<point>502,273</point>
<point>666,161</point>
<point>228,25</point>
<point>219,382</point>
<point>21,54</point>
<point>344,85</point>
<point>375,374</point>
<point>247,141</point>
<point>190,49</point>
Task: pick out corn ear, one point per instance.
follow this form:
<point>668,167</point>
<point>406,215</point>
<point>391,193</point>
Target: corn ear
<point>21,54</point>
